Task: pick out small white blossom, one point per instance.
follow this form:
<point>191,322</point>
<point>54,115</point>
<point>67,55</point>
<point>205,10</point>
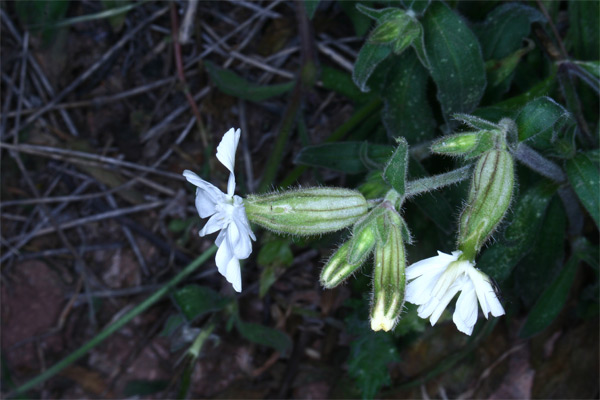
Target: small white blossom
<point>436,280</point>
<point>226,212</point>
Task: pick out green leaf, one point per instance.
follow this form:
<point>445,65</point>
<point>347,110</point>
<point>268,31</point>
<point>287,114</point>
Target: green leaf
<point>140,387</point>
<point>539,122</point>
<point>406,109</point>
<point>499,259</point>
<point>534,272</point>
<point>348,157</point>
<point>369,57</point>
<point>42,15</point>
<point>172,324</point>
<point>195,300</point>
<point>234,85</point>
<point>584,36</point>
<point>341,82</point>
<point>502,32</point>
<point>396,168</point>
<point>370,354</point>
<point>264,336</point>
<point>360,21</point>
<point>551,302</point>
<point>455,59</point>
<point>374,13</point>
<point>276,250</point>
<point>585,179</point>
<point>418,6</point>
<point>311,6</point>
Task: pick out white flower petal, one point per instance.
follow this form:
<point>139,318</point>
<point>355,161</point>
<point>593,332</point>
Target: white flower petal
<point>419,290</point>
<point>429,265</point>
<point>223,257</point>
<point>213,224</point>
<point>226,149</point>
<point>234,274</point>
<point>443,302</point>
<point>465,314</point>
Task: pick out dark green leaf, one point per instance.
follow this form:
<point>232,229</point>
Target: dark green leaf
<point>503,30</point>
<point>370,354</point>
<point>373,12</point>
<point>349,157</point>
<point>172,324</point>
<point>360,21</point>
<point>455,60</point>
<point>396,168</point>
<point>584,35</point>
<point>406,109</point>
<point>418,6</point>
<point>234,85</point>
<point>341,82</point>
<point>144,388</point>
<point>538,268</point>
<point>538,117</point>
<point>264,336</point>
<point>194,300</point>
<point>518,239</point>
<point>585,179</point>
<point>547,308</point>
<point>368,59</point>
<point>275,250</point>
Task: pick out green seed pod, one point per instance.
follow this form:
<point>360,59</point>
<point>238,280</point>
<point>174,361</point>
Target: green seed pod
<point>337,268</point>
<point>389,281</point>
<point>489,197</point>
<point>306,211</point>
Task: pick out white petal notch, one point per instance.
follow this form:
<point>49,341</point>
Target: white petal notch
<point>436,280</point>
<point>227,214</point>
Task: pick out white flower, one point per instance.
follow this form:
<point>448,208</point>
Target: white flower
<point>226,212</point>
<point>436,280</point>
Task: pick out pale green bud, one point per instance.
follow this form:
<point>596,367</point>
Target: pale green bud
<point>389,280</point>
<point>489,198</point>
<point>396,28</point>
<point>469,145</point>
<point>307,211</point>
<point>337,268</point>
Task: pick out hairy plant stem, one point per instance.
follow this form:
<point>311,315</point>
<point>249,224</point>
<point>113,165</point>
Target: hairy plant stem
<point>434,182</point>
<point>115,326</point>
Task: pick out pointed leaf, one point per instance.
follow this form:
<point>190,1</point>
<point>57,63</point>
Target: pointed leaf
<point>234,85</point>
<point>585,179</point>
<point>551,302</point>
<point>369,57</point>
<point>348,157</point>
<point>406,109</point>
<point>396,168</point>
<point>455,58</point>
<point>195,300</point>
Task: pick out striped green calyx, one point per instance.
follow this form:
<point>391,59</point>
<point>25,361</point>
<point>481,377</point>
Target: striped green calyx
<point>306,212</point>
<point>389,280</point>
<point>351,255</point>
<point>489,198</point>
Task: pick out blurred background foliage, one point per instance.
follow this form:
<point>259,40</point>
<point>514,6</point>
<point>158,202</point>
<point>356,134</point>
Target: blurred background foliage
<point>321,92</point>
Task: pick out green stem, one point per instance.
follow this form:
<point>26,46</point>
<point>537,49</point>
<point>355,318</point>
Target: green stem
<point>434,182</point>
<point>114,327</point>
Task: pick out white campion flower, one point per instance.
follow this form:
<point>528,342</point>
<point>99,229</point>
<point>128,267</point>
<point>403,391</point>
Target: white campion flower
<point>436,280</point>
<point>226,212</point>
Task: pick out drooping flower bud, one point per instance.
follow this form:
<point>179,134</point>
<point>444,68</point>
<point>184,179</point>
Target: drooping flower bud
<point>398,28</point>
<point>352,254</point>
<point>309,211</point>
<point>489,197</point>
<point>389,280</point>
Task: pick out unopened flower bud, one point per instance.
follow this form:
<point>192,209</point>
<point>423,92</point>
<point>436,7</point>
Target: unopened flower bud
<point>307,211</point>
<point>397,28</point>
<point>470,144</point>
<point>389,280</point>
<point>337,268</point>
<point>489,197</point>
